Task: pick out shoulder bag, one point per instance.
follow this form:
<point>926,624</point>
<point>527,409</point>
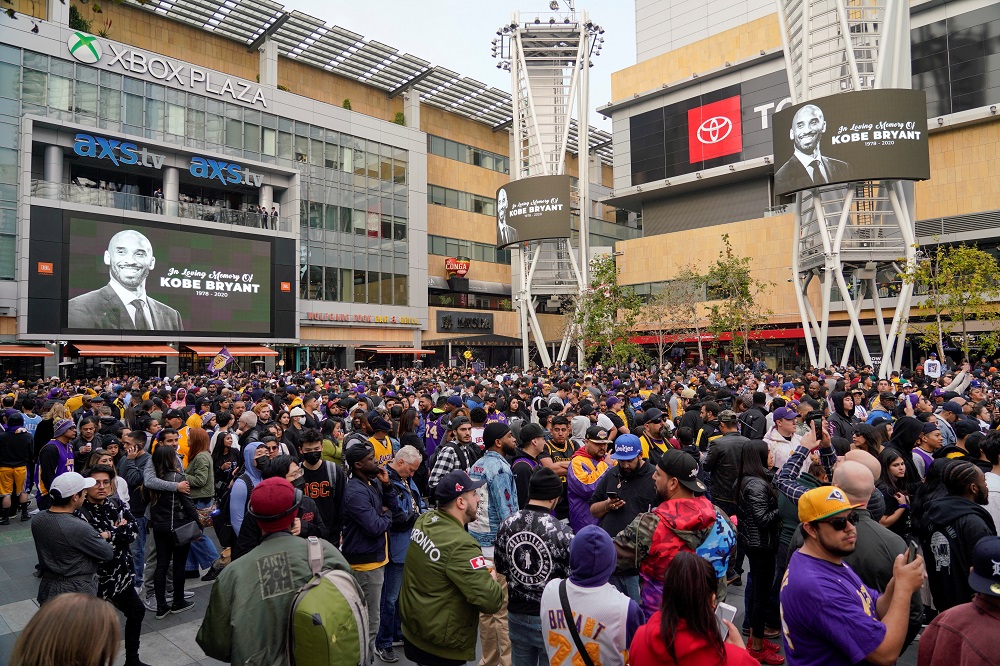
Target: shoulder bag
<point>183,534</point>
<point>568,616</point>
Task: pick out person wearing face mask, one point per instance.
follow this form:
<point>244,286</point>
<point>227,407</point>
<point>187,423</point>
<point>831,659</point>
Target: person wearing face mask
<point>324,483</point>
<point>254,457</point>
<point>293,433</point>
<point>307,523</point>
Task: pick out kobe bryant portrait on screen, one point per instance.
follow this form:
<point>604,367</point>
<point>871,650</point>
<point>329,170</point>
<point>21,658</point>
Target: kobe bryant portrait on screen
<point>506,234</point>
<point>123,303</point>
<point>807,167</point>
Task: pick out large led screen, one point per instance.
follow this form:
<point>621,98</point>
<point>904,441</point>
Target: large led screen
<point>865,135</point>
<point>534,208</point>
<point>108,275</point>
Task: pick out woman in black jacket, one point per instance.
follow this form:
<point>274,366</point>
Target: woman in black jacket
<point>408,424</point>
<point>842,420</point>
<point>757,509</point>
<point>167,512</point>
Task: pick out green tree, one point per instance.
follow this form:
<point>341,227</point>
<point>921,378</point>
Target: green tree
<point>605,314</point>
<point>674,310</point>
<point>960,284</point>
<point>736,308</point>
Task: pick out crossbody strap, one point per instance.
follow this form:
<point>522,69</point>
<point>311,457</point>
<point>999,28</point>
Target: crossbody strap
<point>568,616</point>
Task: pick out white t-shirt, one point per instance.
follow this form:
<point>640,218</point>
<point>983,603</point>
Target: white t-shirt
<point>477,437</point>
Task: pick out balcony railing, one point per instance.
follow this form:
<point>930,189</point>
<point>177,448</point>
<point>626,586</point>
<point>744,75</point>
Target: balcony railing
<point>94,196</point>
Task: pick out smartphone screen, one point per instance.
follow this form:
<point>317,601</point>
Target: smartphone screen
<point>724,611</point>
<point>613,497</point>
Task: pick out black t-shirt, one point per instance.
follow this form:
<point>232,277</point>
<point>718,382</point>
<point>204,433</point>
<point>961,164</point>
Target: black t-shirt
<point>558,454</point>
<point>326,487</point>
<point>638,491</point>
<point>616,420</point>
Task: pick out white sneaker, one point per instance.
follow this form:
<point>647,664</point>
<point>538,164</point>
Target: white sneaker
<point>33,512</point>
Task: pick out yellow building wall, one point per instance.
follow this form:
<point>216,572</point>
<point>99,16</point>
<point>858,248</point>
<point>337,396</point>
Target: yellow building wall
<point>731,45</point>
<point>963,172</point>
<point>8,325</point>
<point>767,240</point>
<point>340,334</point>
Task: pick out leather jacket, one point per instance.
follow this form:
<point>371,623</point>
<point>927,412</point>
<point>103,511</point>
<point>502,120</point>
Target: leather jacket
<point>758,513</point>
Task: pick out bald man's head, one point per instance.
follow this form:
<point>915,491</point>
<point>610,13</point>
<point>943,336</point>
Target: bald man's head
<point>855,480</point>
<point>130,258</point>
<point>808,127</point>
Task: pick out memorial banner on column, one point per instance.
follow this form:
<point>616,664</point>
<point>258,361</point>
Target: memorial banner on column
<point>864,135</point>
<point>535,208</point>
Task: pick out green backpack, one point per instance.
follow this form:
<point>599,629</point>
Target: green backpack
<point>328,620</point>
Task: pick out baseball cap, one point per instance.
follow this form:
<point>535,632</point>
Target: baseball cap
<point>587,409</point>
<point>97,398</point>
<point>297,411</point>
<point>785,413</point>
<point>68,484</point>
<point>965,427</point>
<point>273,503</point>
<point>682,467</point>
<point>787,386</point>
<point>530,431</point>
<point>975,383</point>
<point>688,394</point>
<point>611,402</point>
<point>652,414</point>
<point>598,434</point>
<point>454,400</point>
<point>933,354</point>
<point>459,421</point>
<point>985,575</point>
<point>173,414</point>
<point>823,502</point>
<point>453,484</point>
<point>727,416</point>
<point>627,447</point>
<point>953,407</point>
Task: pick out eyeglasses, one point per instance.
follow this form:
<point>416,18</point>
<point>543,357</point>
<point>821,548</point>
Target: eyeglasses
<point>273,448</point>
<point>840,522</point>
<point>102,483</point>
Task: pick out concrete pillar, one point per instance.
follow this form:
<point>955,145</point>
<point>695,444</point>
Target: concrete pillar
<point>171,190</point>
<point>53,172</point>
<point>57,12</point>
<point>269,363</point>
<point>266,196</point>
<point>50,364</point>
<point>269,63</point>
<point>349,357</point>
<point>411,108</point>
<point>173,366</point>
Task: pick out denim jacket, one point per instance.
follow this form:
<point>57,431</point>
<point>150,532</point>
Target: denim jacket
<point>410,504</point>
<point>497,499</point>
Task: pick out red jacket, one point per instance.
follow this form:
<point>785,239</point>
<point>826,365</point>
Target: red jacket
<point>648,649</point>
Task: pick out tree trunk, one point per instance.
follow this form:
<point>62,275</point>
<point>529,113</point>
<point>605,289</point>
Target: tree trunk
<point>940,336</point>
<point>697,335</point>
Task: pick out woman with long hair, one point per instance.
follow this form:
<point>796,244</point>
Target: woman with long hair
<point>685,629</point>
<point>516,410</point>
<point>757,509</point>
<point>866,439</point>
<point>332,430</point>
<point>200,474</point>
<point>225,461</point>
<point>408,424</point>
<point>168,511</point>
<point>883,433</point>
<point>892,485</point>
<point>72,628</point>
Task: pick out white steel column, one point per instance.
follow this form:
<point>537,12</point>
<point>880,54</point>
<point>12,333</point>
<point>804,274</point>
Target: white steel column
<point>844,231</point>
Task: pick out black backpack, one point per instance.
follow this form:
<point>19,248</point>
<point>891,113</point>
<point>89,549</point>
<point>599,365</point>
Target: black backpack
<point>223,522</point>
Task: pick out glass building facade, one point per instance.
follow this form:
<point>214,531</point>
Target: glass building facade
<point>353,192</point>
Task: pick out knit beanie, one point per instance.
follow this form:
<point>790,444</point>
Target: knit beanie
<point>544,484</point>
<point>592,557</point>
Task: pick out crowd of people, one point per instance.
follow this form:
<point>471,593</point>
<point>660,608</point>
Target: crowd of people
<point>599,515</point>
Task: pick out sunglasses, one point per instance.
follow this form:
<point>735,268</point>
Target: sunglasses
<point>840,522</point>
<point>656,422</point>
<point>273,448</point>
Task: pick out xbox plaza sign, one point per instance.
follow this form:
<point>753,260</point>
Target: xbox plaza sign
<point>90,50</point>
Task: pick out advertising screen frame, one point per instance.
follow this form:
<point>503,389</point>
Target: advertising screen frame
<point>47,291</point>
<point>864,135</point>
<point>532,209</point>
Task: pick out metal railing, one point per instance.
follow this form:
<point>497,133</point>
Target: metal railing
<point>94,196</point>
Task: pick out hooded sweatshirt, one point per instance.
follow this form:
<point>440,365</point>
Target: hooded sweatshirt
<point>239,497</point>
<point>905,432</point>
<point>954,525</point>
<point>841,422</point>
<point>581,480</point>
<point>649,649</point>
<point>602,615</point>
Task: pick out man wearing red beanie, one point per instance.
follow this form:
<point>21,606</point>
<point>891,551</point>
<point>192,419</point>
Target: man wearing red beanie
<point>262,584</point>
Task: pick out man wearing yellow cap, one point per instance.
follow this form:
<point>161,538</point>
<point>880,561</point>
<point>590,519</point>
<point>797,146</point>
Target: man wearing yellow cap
<point>828,615</point>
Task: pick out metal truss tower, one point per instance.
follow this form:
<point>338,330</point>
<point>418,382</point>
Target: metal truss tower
<point>846,235</point>
<point>549,56</point>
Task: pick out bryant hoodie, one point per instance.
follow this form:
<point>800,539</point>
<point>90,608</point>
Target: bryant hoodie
<point>953,526</point>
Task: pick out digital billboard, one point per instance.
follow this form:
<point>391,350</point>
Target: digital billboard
<point>864,135</point>
<point>108,275</point>
<point>533,208</point>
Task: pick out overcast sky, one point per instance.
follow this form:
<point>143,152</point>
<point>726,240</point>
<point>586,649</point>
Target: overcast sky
<point>457,34</point>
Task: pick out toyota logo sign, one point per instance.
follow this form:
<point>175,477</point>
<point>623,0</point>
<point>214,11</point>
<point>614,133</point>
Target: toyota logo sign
<point>715,129</point>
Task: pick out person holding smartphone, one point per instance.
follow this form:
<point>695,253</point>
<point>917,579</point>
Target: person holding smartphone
<point>686,629</point>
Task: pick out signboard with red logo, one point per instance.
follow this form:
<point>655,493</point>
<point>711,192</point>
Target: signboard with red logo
<point>457,266</point>
<point>715,130</point>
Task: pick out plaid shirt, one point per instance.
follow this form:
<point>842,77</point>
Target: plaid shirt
<point>787,481</point>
